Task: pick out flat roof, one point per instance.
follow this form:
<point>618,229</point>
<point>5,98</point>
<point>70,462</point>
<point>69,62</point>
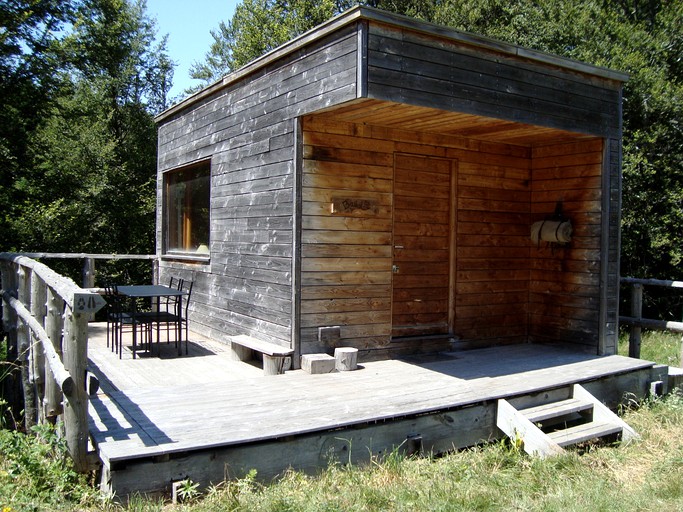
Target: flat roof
<point>376,15</point>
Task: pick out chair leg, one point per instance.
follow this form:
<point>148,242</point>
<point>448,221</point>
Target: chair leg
<point>187,337</point>
<point>119,339</point>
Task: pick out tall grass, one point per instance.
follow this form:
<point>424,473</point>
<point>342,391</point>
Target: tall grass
<point>646,475</point>
<point>641,476</point>
<point>662,347</point>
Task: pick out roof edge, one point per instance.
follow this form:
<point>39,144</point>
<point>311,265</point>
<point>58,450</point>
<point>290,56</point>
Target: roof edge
<point>377,15</point>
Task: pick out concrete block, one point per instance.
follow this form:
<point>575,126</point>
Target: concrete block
<point>317,363</point>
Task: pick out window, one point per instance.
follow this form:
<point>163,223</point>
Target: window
<point>186,200</point>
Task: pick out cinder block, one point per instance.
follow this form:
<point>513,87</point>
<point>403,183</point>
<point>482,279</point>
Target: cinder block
<point>317,363</point>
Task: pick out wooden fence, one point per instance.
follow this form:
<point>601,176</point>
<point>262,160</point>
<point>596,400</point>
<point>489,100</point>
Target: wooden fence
<point>89,270</point>
<point>636,320</point>
<point>45,316</point>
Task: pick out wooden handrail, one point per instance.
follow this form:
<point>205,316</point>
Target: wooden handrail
<point>83,255</point>
<point>61,375</point>
<point>39,304</point>
<point>636,320</point>
<point>89,262</point>
<point>652,282</point>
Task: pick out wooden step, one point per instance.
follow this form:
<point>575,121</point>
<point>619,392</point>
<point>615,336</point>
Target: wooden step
<point>524,424</point>
<point>556,409</point>
<point>584,432</point>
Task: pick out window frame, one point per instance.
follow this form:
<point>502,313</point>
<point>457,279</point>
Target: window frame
<point>203,166</point>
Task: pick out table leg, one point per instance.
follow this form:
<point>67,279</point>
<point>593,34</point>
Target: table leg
<point>179,327</point>
<point>134,322</point>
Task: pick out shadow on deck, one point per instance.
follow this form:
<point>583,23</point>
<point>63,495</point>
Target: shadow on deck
<point>165,418</point>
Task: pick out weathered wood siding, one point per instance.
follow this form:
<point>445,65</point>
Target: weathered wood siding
<point>347,259</point>
<point>247,130</point>
<point>419,69</point>
<point>505,289</point>
<point>493,212</point>
<point>565,282</point>
<point>520,132</point>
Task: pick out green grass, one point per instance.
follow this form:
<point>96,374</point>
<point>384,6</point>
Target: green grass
<point>646,475</point>
<point>660,347</point>
<point>642,476</point>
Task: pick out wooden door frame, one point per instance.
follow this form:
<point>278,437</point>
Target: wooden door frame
<point>452,242</point>
<point>453,247</point>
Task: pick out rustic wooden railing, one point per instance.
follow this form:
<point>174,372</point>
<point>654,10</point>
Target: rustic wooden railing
<point>45,316</point>
<point>636,320</point>
<point>89,262</point>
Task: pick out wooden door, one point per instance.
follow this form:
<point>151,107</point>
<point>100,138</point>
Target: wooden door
<point>422,251</point>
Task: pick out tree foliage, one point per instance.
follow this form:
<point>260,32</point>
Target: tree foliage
<point>79,137</point>
<point>257,27</point>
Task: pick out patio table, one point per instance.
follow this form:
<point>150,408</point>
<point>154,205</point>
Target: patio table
<point>152,292</point>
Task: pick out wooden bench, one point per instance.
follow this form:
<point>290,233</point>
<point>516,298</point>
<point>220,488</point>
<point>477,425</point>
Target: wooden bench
<point>276,358</point>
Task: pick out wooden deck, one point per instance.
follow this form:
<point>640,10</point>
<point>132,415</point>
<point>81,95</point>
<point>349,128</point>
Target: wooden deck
<point>164,418</point>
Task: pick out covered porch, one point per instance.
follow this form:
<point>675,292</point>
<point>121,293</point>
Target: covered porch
<point>417,232</point>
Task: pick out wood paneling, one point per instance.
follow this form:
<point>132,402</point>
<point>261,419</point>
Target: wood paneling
<point>248,131</point>
<point>505,289</point>
<point>526,132</point>
<point>346,264</point>
<point>565,282</point>
<point>422,237</point>
<point>487,233</point>
<point>415,69</point>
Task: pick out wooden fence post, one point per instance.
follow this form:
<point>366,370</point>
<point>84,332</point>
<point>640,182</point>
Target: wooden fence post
<point>25,350</point>
<point>155,271</point>
<point>38,303</point>
<point>9,316</point>
<point>54,323</point>
<point>89,278</point>
<point>89,273</point>
<point>75,348</point>
<point>637,313</point>
<point>11,387</point>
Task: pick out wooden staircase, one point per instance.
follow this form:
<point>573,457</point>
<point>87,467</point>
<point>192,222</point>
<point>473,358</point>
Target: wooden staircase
<point>546,429</point>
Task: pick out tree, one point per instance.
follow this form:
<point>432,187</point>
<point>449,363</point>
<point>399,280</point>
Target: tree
<point>86,181</point>
<point>257,27</point>
<point>30,58</point>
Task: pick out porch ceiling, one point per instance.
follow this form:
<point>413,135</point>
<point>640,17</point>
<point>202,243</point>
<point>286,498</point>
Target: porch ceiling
<point>409,117</point>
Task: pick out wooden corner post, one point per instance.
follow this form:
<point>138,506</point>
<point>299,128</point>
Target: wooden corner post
<point>637,313</point>
<point>76,404</point>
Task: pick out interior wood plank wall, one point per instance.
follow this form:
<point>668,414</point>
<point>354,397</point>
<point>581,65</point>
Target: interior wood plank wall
<point>347,260</point>
<point>247,130</point>
<point>492,245</point>
<point>565,281</point>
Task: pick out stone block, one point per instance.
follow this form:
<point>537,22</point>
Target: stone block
<point>317,363</point>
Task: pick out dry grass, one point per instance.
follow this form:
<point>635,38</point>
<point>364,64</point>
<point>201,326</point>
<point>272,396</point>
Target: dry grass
<point>644,475</point>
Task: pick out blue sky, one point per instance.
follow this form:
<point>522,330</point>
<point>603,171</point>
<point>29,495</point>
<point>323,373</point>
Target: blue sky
<point>188,24</point>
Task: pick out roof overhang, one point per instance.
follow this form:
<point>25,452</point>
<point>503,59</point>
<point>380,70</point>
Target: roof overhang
<point>369,14</point>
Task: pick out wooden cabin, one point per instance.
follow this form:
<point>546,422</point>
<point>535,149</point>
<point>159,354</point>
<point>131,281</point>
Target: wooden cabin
<point>375,183</point>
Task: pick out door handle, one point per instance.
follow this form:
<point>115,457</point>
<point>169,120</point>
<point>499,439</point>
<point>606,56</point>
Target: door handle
<point>395,269</point>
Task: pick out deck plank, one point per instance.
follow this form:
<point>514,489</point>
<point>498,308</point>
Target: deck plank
<point>156,408</point>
